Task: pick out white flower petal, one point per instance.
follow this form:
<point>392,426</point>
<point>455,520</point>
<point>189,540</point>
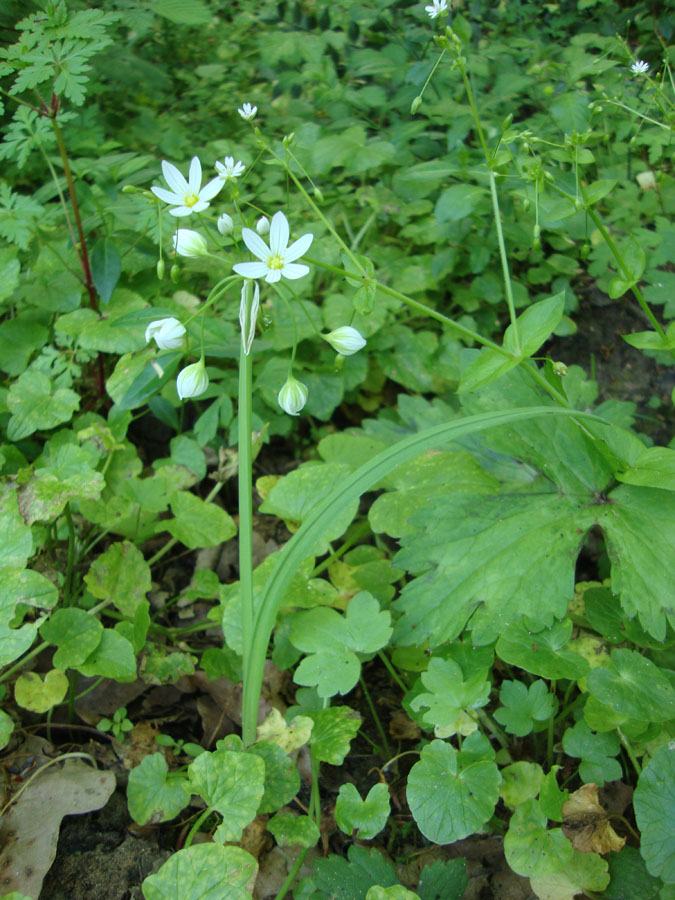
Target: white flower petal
<point>273,275</point>
<point>195,175</point>
<point>255,243</point>
<point>182,211</point>
<point>251,269</point>
<point>279,233</point>
<point>297,248</point>
<point>200,206</point>
<point>209,191</point>
<point>167,196</point>
<point>174,178</point>
<point>293,271</point>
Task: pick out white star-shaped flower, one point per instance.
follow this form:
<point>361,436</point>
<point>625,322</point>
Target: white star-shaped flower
<point>436,8</point>
<point>640,67</point>
<point>189,196</point>
<point>247,111</point>
<point>278,259</point>
<point>230,169</point>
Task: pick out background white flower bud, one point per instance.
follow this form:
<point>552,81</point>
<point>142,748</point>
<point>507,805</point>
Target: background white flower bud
<point>225,224</point>
<point>192,380</point>
<point>345,340</point>
<point>189,243</point>
<point>292,396</point>
<point>168,333</point>
<point>262,226</point>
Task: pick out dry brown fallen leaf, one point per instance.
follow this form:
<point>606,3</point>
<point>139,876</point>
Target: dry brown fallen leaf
<point>29,830</point>
<point>586,825</point>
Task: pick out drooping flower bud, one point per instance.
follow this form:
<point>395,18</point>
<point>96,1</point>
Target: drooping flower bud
<point>189,243</point>
<point>160,269</point>
<point>292,396</point>
<point>167,333</point>
<point>192,380</point>
<point>225,225</point>
<point>345,340</point>
<point>262,226</point>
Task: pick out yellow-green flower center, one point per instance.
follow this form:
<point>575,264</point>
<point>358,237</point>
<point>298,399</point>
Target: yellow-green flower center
<point>275,261</point>
<point>191,199</point>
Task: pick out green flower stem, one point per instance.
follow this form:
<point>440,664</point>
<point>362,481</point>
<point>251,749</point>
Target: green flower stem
<point>550,732</point>
<point>609,240</point>
<point>290,878</point>
<point>504,258</point>
<point>314,798</point>
<point>253,655</point>
<point>629,751</point>
<point>169,544</point>
<point>68,584</point>
<point>489,723</point>
<point>431,74</point>
<point>450,323</point>
<point>392,671</point>
<point>355,536</point>
<point>376,718</point>
<point>195,826</point>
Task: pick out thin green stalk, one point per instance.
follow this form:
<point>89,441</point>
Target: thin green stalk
<point>290,878</point>
<point>245,475</point>
<point>373,712</point>
<point>392,671</point>
<point>431,74</point>
<point>314,798</point>
<point>68,585</point>
<point>504,259</point>
<point>624,269</point>
<point>630,752</point>
<point>488,722</point>
<point>355,536</point>
<point>195,826</point>
<point>550,733</point>
<point>474,109</point>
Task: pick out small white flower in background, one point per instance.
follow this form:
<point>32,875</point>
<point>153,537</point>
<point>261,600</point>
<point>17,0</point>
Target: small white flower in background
<point>278,259</point>
<point>189,243</point>
<point>345,340</point>
<point>230,169</point>
<point>225,225</point>
<point>247,111</point>
<point>262,226</point>
<point>192,380</point>
<point>640,67</point>
<point>646,180</point>
<point>168,333</point>
<point>247,334</point>
<point>292,396</point>
<point>436,8</point>
<point>187,196</point>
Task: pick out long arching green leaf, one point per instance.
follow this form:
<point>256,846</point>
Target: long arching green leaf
<point>363,479</point>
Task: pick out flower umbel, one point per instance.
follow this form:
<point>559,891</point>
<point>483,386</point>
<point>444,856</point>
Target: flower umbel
<point>167,333</point>
<point>188,196</point>
<point>436,8</point>
<point>192,380</point>
<point>189,243</point>
<point>640,67</point>
<point>248,333</point>
<point>229,170</point>
<point>345,340</point>
<point>292,396</point>
<point>278,259</point>
<point>247,111</point>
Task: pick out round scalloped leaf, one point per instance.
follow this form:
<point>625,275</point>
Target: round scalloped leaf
<point>39,696</point>
<point>629,877</point>
<point>395,892</point>
<point>522,781</point>
<point>654,802</point>
<point>233,784</point>
<point>151,796</point>
<point>282,779</point>
<point>542,652</point>
<point>584,873</point>
<point>289,829</point>
<point>75,633</point>
<point>449,803</point>
<point>36,404</point>
<point>204,872</point>
<point>634,687</point>
<point>6,728</point>
<point>369,815</point>
<point>531,848</point>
